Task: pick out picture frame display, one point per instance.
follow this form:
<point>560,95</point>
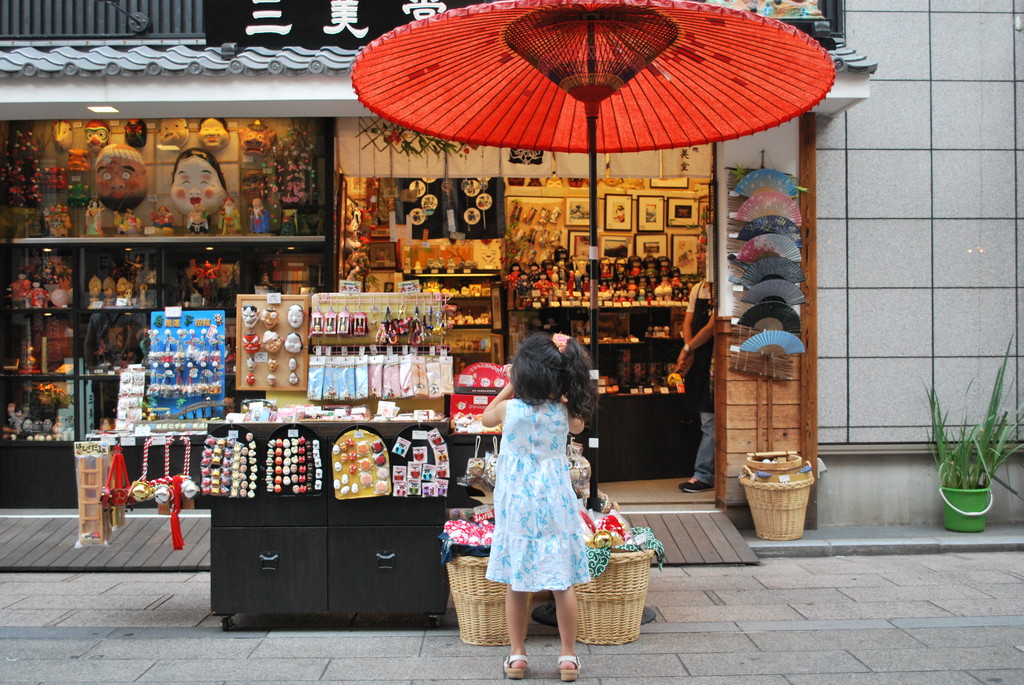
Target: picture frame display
<point>685,252</point>
<point>681,212</point>
<point>579,244</point>
<point>382,255</point>
<point>577,211</point>
<point>650,213</point>
<point>618,212</point>
<point>651,245</point>
<point>614,246</point>
<point>675,183</point>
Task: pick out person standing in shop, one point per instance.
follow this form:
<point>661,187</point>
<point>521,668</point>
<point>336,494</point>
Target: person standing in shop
<point>694,362</point>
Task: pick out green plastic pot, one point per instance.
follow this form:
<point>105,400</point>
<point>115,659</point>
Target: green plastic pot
<point>964,511</point>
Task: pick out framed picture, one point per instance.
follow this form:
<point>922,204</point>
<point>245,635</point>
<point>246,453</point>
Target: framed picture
<point>618,212</point>
<point>684,252</point>
<point>579,244</point>
<point>613,246</point>
<point>651,245</point>
<point>382,255</point>
<point>681,212</point>
<point>650,213</point>
<point>380,281</point>
<point>577,211</point>
<point>677,183</point>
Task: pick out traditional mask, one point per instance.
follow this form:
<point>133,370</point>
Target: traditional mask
<point>78,160</point>
<point>213,134</point>
<point>293,379</point>
<point>250,315</point>
<point>251,343</point>
<point>172,133</point>
<point>293,364</point>
<point>250,363</point>
<point>257,137</point>
<point>271,380</point>
<point>295,315</point>
<point>121,177</point>
<point>62,134</point>
<point>272,363</point>
<point>293,343</point>
<point>135,133</point>
<point>97,133</point>
<point>197,181</point>
<point>269,317</point>
<point>250,379</point>
<point>271,342</point>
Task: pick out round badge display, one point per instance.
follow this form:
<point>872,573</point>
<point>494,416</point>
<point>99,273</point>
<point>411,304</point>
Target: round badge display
<point>417,216</point>
<point>484,201</point>
<point>360,465</point>
<point>429,202</point>
<point>471,216</point>
<point>418,188</point>
<point>471,187</point>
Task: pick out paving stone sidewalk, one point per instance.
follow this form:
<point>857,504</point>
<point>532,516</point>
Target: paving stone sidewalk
<point>874,620</point>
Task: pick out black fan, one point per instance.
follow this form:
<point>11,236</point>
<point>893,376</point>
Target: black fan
<point>772,316</point>
<point>772,267</point>
<point>774,290</point>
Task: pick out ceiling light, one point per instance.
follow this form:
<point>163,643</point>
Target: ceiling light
<point>103,109</point>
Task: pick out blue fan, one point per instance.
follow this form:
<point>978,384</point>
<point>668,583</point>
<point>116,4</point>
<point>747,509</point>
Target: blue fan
<point>774,290</point>
<point>773,342</point>
<point>771,224</point>
<point>766,179</point>
<point>771,267</point>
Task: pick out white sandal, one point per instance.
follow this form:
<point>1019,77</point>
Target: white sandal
<point>569,674</point>
<point>515,673</point>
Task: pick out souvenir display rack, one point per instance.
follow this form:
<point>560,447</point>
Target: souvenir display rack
<point>317,554</point>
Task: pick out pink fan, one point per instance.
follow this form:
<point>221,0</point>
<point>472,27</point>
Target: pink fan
<point>768,245</point>
<point>769,202</point>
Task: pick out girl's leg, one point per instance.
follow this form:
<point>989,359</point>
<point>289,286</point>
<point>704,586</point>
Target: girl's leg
<point>566,611</point>
<point>515,617</point>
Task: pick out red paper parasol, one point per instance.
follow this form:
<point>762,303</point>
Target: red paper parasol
<point>596,76</point>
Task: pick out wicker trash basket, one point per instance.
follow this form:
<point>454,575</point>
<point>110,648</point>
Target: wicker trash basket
<point>778,509</point>
<point>479,603</point>
<point>611,606</point>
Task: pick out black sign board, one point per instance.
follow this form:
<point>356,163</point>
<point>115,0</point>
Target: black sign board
<point>347,24</point>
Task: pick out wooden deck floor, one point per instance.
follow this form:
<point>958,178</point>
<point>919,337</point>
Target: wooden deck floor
<point>47,543</point>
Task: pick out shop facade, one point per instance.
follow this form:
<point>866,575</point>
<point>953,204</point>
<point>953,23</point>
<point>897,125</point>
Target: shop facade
<point>280,83</point>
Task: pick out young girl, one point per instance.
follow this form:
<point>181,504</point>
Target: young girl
<point>538,544</point>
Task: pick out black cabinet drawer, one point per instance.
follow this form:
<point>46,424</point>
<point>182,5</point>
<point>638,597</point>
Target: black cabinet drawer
<point>268,510</point>
<point>385,511</point>
<point>387,569</point>
<point>268,570</point>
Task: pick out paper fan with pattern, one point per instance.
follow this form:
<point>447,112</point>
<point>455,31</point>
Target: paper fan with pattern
<point>772,316</point>
<point>769,224</point>
<point>769,268</point>
<point>768,203</point>
<point>768,245</point>
<point>774,290</point>
<point>773,342</point>
<point>766,179</point>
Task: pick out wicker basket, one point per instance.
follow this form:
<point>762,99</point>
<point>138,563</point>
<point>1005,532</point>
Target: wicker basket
<point>612,605</point>
<point>780,462</point>
<point>778,509</point>
<point>479,603</point>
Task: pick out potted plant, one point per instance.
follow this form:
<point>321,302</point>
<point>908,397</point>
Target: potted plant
<point>967,456</point>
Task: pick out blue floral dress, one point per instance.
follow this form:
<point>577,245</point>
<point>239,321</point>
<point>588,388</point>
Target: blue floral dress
<point>538,540</point>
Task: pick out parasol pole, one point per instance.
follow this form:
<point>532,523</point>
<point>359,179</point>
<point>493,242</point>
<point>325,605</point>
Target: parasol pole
<point>592,110</point>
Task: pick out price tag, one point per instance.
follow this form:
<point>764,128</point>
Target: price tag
<point>127,441</point>
<point>121,302</point>
<point>172,312</point>
<point>293,432</point>
<point>273,298</point>
<point>233,435</point>
<point>159,439</point>
<point>419,435</point>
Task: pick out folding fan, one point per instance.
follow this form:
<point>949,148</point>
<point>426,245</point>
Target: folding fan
<point>773,342</point>
<point>771,268</point>
<point>774,290</point>
<point>769,202</point>
<point>766,179</point>
<point>772,316</point>
<point>771,223</point>
<point>768,245</point>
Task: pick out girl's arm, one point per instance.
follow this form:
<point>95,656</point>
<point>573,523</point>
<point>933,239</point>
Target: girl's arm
<point>576,425</point>
<point>494,414</point>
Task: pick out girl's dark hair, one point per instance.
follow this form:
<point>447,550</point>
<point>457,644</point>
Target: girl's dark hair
<point>540,373</point>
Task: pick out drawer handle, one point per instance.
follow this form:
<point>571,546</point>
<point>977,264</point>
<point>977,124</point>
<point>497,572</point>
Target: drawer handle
<point>385,559</point>
<point>268,561</point>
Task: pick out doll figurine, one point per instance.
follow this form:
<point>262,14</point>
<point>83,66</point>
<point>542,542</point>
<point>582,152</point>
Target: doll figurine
<point>231,219</point>
<point>127,223</point>
<point>259,218</point>
<point>58,221</point>
<point>162,217</point>
<point>288,225</point>
<point>94,218</point>
<point>198,221</point>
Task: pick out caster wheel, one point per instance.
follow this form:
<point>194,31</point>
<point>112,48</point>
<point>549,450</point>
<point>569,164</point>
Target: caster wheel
<point>433,620</point>
<point>227,623</point>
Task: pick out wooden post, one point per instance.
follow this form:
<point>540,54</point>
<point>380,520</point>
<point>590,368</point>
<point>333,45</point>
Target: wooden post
<point>809,310</point>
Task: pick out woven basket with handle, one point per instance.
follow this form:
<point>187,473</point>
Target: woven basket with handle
<point>611,606</point>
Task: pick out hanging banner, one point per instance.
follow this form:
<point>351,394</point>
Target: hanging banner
<point>312,23</point>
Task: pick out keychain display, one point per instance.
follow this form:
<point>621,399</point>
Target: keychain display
<point>273,333</point>
<point>482,467</point>
<point>292,462</point>
<point>421,463</point>
<point>360,465</point>
<point>353,373</point>
<point>185,362</point>
<point>229,467</point>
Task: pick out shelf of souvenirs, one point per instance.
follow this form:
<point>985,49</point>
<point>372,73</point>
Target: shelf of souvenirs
<point>604,304</point>
<point>467,272</point>
<point>171,240</point>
